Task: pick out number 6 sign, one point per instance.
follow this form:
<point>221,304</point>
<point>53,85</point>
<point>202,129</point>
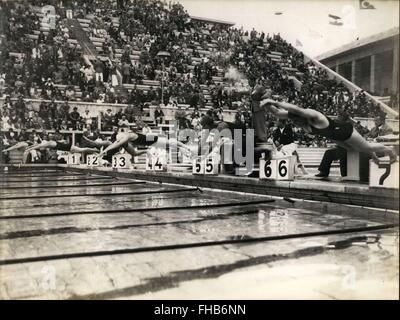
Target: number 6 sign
<point>277,169</point>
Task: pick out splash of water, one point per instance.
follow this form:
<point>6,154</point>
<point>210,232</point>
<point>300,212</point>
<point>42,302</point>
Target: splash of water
<point>234,75</point>
<point>237,80</point>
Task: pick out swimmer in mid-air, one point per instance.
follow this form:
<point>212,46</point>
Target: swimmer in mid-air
<point>25,145</point>
<point>132,138</point>
<point>21,144</point>
<point>315,122</point>
<point>60,145</point>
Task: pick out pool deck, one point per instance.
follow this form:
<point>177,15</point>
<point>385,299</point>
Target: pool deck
<point>74,233</point>
<point>332,191</point>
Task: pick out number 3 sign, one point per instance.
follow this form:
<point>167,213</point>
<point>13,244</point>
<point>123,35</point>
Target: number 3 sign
<point>121,161</point>
<point>277,169</point>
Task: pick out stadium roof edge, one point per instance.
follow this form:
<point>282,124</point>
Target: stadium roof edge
<point>359,43</point>
<point>212,20</point>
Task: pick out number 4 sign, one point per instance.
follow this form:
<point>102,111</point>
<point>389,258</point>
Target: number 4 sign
<point>154,164</point>
<point>384,174</point>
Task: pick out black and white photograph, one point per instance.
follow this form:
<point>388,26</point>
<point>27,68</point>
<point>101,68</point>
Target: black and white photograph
<point>170,150</point>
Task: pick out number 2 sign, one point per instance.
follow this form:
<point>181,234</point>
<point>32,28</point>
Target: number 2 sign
<point>92,160</point>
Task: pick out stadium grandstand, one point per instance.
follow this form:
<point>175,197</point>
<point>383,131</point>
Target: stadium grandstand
<point>97,78</point>
<point>105,56</point>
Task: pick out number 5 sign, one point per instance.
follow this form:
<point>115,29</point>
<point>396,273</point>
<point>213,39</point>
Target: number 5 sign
<point>277,169</point>
<point>211,166</point>
<point>198,167</point>
<point>384,174</point>
<point>207,166</point>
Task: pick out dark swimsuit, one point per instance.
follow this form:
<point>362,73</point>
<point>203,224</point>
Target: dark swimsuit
<point>62,146</point>
<point>339,131</point>
<point>142,140</point>
<point>145,140</point>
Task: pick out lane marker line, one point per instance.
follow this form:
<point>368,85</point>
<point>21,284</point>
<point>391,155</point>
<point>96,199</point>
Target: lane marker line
<point>108,194</point>
<point>132,210</point>
<point>56,180</point>
<point>78,185</point>
<point>42,175</point>
<point>194,244</point>
<point>64,230</point>
<point>31,171</point>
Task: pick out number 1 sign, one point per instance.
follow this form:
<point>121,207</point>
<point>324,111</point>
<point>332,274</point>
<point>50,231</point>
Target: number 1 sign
<point>74,158</point>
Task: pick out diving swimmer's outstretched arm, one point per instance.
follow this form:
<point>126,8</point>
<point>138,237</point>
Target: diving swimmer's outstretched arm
<point>117,144</point>
<point>42,145</point>
<point>18,145</point>
<point>283,109</point>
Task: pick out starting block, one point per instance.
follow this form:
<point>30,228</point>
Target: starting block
<point>384,174</point>
<point>74,158</point>
<point>281,168</point>
<point>207,166</point>
<point>121,161</point>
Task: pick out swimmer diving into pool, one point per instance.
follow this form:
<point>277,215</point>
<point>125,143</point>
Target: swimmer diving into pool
<point>314,122</point>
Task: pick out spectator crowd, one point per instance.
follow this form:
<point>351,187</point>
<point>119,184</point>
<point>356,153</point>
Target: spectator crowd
<point>51,66</point>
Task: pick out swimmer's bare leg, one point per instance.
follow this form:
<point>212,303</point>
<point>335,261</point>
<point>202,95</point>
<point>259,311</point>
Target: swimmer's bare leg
<point>300,164</point>
<point>96,144</point>
<point>18,145</point>
<point>83,150</point>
